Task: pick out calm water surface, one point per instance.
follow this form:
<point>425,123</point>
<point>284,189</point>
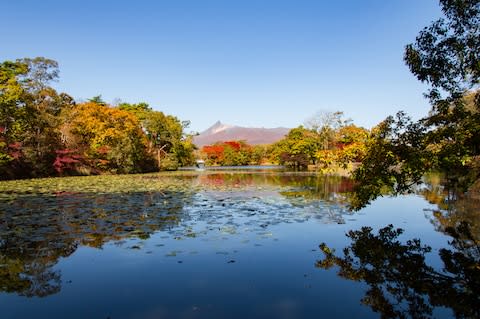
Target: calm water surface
<point>231,245</point>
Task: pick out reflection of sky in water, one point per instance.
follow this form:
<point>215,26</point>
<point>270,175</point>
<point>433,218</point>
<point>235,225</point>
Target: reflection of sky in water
<point>242,246</point>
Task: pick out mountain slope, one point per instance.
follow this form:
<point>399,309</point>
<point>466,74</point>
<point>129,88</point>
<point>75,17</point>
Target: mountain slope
<point>220,132</point>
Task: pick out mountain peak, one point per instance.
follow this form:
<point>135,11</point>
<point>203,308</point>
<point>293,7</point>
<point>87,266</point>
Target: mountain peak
<point>216,128</point>
<point>219,132</point>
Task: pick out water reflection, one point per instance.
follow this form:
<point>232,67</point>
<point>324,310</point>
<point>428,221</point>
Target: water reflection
<point>44,223</point>
<point>37,230</point>
<point>401,284</point>
<point>453,208</point>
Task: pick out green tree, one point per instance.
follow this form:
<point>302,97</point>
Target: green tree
<point>12,115</point>
<point>327,125</point>
<point>98,100</point>
<point>445,55</point>
<point>29,117</point>
<point>395,160</point>
<point>184,151</point>
<point>167,141</point>
<point>346,146</point>
<point>163,132</point>
<point>139,109</point>
<point>298,148</point>
<point>259,154</point>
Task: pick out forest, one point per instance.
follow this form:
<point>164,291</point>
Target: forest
<point>46,133</point>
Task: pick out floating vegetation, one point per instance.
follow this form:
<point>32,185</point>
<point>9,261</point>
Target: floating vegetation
<point>43,220</point>
<point>104,184</point>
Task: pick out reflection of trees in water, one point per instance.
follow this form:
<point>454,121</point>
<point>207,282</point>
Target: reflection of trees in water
<point>29,277</point>
<point>401,284</point>
<point>308,186</point>
<point>326,197</point>
<point>453,207</point>
<point>35,231</point>
<point>242,200</point>
<point>327,188</point>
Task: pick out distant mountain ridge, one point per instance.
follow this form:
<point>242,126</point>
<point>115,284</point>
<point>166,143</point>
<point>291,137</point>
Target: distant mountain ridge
<point>220,132</point>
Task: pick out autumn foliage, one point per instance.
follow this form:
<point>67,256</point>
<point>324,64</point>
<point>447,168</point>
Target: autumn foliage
<point>231,153</point>
<point>328,145</point>
<point>46,133</point>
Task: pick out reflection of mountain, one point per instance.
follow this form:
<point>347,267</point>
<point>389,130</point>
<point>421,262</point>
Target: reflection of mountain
<point>220,132</point>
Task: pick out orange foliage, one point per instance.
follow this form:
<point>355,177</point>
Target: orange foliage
<point>234,144</point>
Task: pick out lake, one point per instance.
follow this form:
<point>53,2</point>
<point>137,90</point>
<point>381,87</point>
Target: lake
<point>233,244</point>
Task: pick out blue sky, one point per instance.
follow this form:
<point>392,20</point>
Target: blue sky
<point>262,63</point>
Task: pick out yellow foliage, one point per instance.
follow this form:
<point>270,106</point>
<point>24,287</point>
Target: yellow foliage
<point>111,137</point>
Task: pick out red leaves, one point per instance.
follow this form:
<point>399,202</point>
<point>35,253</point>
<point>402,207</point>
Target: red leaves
<point>228,153</point>
<point>66,160</point>
<point>103,150</point>
<point>234,144</point>
<point>214,152</point>
<point>15,150</point>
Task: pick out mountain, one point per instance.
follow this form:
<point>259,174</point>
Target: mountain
<point>220,132</point>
